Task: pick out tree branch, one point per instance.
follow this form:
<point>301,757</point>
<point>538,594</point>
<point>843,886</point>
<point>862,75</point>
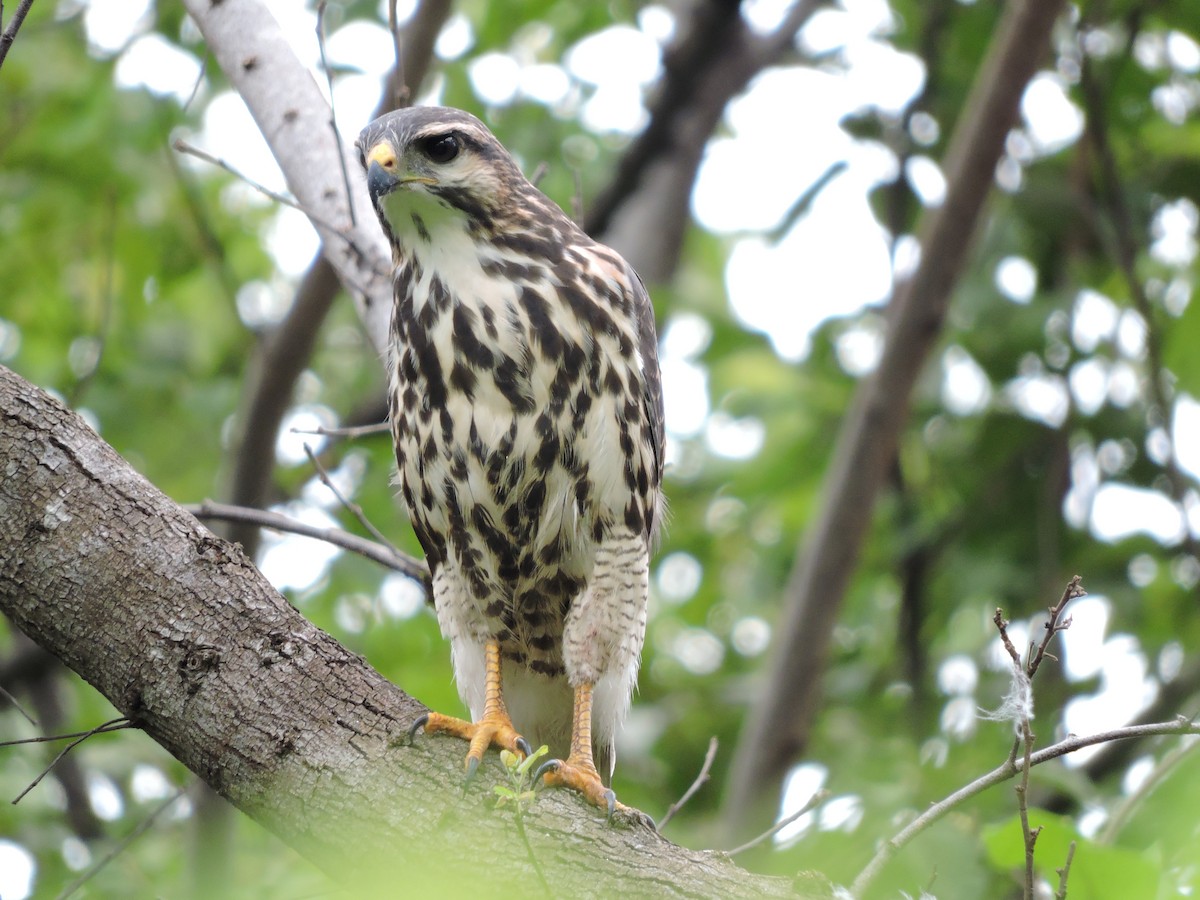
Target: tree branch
<point>262,518</point>
<point>699,782</point>
<point>778,727</point>
<point>293,117</point>
<point>1003,773</point>
<point>182,634</point>
<point>14,25</point>
<point>643,211</point>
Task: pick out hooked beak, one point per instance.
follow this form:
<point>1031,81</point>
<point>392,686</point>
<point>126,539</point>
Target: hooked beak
<point>383,171</point>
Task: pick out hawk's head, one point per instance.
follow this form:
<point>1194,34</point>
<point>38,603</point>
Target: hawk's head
<point>429,166</point>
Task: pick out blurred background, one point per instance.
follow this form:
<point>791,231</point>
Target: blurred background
<point>1055,431</point>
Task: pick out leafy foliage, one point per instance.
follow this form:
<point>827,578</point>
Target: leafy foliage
<point>126,279</point>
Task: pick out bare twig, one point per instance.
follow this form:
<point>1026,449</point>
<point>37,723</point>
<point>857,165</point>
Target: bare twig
<point>700,781</point>
<point>1123,246</point>
<point>1064,873</point>
<point>539,172</point>
<point>111,725</point>
<point>354,432</point>
<point>199,81</point>
<point>400,93</point>
<point>1055,623</point>
<point>813,802</point>
<point>18,707</point>
<point>120,846</point>
<point>385,556</point>
<point>716,54</point>
<point>351,507</point>
<point>803,204</point>
<point>1022,680</point>
<point>14,25</point>
<point>337,136</point>
<point>1029,836</point>
<point>1001,624</point>
<point>413,45</point>
<point>1000,774</point>
<point>183,146</point>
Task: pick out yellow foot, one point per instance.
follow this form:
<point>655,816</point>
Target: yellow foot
<point>493,730</point>
<point>581,775</point>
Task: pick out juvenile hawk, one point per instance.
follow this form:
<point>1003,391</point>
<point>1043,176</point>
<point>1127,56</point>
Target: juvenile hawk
<point>527,417</point>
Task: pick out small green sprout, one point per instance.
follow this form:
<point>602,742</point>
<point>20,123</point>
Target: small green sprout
<point>520,789</point>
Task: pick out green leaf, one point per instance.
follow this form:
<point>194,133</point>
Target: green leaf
<point>1098,872</point>
<point>537,754</point>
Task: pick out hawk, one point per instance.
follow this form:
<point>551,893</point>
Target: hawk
<point>527,416</point>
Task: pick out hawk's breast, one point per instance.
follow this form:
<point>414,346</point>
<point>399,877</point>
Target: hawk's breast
<point>512,426</point>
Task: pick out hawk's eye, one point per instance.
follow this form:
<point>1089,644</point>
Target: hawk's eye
<point>442,148</point>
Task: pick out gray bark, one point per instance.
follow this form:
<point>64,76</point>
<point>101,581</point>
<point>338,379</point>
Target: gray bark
<point>294,118</point>
<point>184,636</point>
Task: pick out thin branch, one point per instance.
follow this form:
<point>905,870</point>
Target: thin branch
<point>813,802</point>
<point>120,846</point>
<point>1064,873</point>
<point>1021,691</point>
<point>353,508</point>
<point>356,431</point>
<point>1055,623</point>
<point>1001,624</point>
<point>1123,246</point>
<point>1128,804</point>
<point>717,43</point>
<point>111,725</point>
<point>337,136</point>
<point>14,25</point>
<point>1029,835</point>
<point>413,45</point>
<point>700,781</point>
<point>184,147</point>
<point>18,707</point>
<point>400,92</point>
<point>385,556</point>
<point>1000,774</point>
<point>803,204</point>
<point>196,86</point>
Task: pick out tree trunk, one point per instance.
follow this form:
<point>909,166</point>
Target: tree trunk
<point>778,727</point>
<point>185,637</point>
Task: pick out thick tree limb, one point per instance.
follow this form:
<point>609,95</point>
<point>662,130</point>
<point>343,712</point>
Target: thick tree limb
<point>290,111</point>
<point>779,725</point>
<point>183,635</point>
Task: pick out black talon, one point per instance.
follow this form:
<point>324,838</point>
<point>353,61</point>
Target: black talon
<point>610,798</point>
<point>472,768</point>
<point>548,764</point>
<point>523,746</point>
<point>417,725</point>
